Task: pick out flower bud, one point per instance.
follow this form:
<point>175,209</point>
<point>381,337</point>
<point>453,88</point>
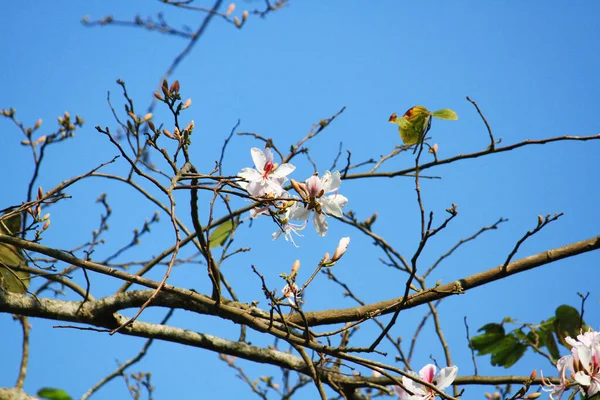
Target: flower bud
<point>46,225</point>
<point>187,103</point>
<point>533,395</point>
<point>533,375</point>
<point>40,193</point>
<point>37,124</point>
<point>174,87</point>
<point>147,117</point>
<point>190,127</point>
<point>341,249</point>
<point>244,15</point>
<point>236,21</point>
<point>230,9</point>
<point>295,268</point>
<point>158,96</point>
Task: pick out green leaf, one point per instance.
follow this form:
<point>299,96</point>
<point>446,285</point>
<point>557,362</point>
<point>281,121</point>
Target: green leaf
<point>221,233</point>
<point>11,257</point>
<point>486,343</point>
<point>567,323</point>
<point>413,124</point>
<point>445,113</point>
<point>507,352</point>
<point>53,394</point>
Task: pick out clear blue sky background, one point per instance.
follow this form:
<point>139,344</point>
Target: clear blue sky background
<point>531,66</point>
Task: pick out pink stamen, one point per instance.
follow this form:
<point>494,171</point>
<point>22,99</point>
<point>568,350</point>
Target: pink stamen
<point>269,167</point>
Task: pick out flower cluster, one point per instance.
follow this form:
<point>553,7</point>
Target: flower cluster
<point>317,195</point>
<point>440,380</point>
<point>584,364</point>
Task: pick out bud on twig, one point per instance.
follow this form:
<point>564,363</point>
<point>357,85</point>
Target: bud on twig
<point>174,87</point>
<point>37,124</point>
<point>533,395</point>
<point>295,268</point>
<point>230,9</point>
<point>244,15</point>
<point>236,21</point>
<point>341,249</point>
<point>187,103</point>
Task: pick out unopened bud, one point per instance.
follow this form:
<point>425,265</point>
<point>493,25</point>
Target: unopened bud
<point>152,127</point>
<point>236,21</point>
<point>187,103</point>
<point>46,225</point>
<point>230,9</point>
<point>25,142</point>
<point>540,220</point>
<point>488,396</point>
<point>174,87</point>
<point>67,115</point>
<point>176,133</point>
<point>41,140</point>
<point>168,134</point>
<point>434,149</point>
<point>190,127</point>
<point>244,15</point>
<point>341,249</point>
<point>147,117</point>
<point>533,374</point>
<point>37,124</point>
<point>132,115</point>
<point>40,193</point>
<point>46,217</point>
<point>295,268</point>
<point>158,96</point>
<point>300,188</point>
<point>533,395</point>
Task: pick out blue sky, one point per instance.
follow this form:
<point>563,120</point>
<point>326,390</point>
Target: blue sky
<point>531,66</point>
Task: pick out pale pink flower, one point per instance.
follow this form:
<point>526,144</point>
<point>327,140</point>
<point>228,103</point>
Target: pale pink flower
<point>428,373</point>
<point>323,205</point>
<point>266,179</point>
<point>291,293</point>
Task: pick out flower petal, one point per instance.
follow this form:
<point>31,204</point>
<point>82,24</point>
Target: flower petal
<point>446,377</point>
<point>284,170</point>
<point>428,372</point>
<point>333,204</point>
<point>259,159</point>
<point>320,223</point>
<point>332,182</point>
<point>250,174</point>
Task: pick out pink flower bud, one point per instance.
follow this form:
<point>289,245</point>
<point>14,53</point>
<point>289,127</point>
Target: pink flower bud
<point>341,249</point>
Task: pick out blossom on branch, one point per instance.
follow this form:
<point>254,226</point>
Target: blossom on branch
<point>291,293</point>
<point>315,188</point>
<point>441,380</point>
<point>266,179</point>
<point>584,362</point>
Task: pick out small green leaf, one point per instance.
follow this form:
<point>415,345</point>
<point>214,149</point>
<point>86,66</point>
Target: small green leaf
<point>445,113</point>
<point>567,323</point>
<point>221,233</point>
<point>53,394</point>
